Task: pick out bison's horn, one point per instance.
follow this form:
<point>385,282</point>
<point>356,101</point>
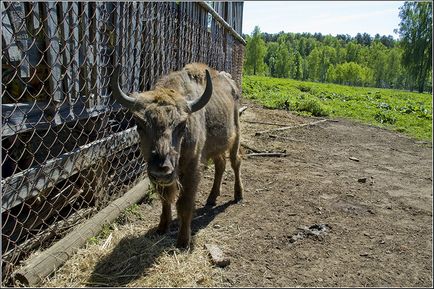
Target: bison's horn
<point>118,94</point>
<point>200,102</point>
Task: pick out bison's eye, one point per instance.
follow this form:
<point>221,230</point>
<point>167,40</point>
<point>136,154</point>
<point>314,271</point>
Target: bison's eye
<point>180,128</point>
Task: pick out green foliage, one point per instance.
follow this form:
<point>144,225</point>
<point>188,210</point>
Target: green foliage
<point>415,30</point>
<point>385,117</point>
<point>255,53</point>
<point>103,234</point>
<point>407,112</point>
<point>350,73</point>
<point>359,61</point>
<point>129,214</point>
<point>311,106</point>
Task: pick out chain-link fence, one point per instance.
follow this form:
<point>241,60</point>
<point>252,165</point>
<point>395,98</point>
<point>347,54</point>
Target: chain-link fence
<point>68,149</point>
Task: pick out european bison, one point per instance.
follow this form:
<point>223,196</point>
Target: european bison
<point>190,116</point>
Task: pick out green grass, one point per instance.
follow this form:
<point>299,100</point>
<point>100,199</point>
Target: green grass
<point>402,111</point>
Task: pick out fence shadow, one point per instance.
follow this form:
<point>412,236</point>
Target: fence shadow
<point>134,255</point>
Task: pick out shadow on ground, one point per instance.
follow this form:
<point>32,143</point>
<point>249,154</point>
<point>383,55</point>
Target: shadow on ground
<point>134,255</point>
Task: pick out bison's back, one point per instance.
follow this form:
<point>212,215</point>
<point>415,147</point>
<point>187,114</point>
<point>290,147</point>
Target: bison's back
<point>221,114</point>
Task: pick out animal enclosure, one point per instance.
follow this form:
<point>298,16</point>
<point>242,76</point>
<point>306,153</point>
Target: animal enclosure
<point>68,149</point>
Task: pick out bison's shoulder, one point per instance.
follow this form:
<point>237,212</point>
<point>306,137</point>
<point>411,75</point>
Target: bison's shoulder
<point>196,71</point>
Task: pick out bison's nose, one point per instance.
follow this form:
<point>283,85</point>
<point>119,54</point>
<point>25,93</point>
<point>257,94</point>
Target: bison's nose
<point>166,168</point>
<point>163,171</point>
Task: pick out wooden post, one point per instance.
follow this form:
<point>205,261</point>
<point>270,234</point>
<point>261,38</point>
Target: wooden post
<point>45,263</point>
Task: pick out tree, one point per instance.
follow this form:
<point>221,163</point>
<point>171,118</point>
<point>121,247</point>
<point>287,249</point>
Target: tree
<point>255,52</point>
<point>297,71</point>
<point>415,30</point>
<point>271,57</point>
<point>314,63</point>
<point>377,61</point>
<point>393,68</point>
<point>282,61</point>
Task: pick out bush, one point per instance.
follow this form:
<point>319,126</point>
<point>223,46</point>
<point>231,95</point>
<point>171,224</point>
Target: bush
<point>312,106</point>
<point>385,117</point>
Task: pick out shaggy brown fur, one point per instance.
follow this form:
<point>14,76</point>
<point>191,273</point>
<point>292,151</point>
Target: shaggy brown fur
<point>174,140</point>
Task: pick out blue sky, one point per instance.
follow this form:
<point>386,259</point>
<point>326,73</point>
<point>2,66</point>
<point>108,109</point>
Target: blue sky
<point>327,17</point>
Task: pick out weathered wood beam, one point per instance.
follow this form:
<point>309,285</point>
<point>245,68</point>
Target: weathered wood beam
<point>29,183</point>
<point>43,264</point>
<point>218,18</point>
<point>21,117</point>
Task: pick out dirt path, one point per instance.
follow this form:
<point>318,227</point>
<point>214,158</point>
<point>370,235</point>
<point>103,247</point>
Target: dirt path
<point>370,232</point>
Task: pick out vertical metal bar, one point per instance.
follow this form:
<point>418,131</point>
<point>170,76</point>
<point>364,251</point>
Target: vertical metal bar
<point>157,47</point>
<point>74,48</point>
<point>181,23</point>
<point>162,37</point>
<point>14,54</point>
<point>151,36</point>
<point>66,53</point>
<point>130,41</point>
<point>120,25</point>
<point>53,51</point>
<point>16,21</point>
<point>97,47</point>
<point>137,47</point>
<point>86,60</point>
<point>35,26</point>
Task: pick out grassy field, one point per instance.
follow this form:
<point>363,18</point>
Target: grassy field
<point>402,111</point>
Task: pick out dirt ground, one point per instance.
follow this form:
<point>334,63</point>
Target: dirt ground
<point>362,194</point>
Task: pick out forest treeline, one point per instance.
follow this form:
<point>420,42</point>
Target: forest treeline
<point>363,60</point>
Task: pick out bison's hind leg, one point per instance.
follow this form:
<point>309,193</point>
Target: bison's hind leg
<point>219,165</point>
<point>235,158</point>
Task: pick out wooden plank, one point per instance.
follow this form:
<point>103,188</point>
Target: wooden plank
<point>34,27</point>
<point>195,33</point>
<point>74,48</point>
<point>29,183</point>
<point>219,19</point>
<point>53,51</point>
<point>129,30</point>
<point>181,33</point>
<point>86,53</point>
<point>121,24</point>
<point>66,53</point>
<point>137,47</point>
<point>117,22</point>
<point>41,265</point>
<point>148,46</point>
<point>96,47</point>
<point>157,47</point>
<point>105,52</point>
<point>12,52</point>
<point>16,19</point>
<point>22,117</point>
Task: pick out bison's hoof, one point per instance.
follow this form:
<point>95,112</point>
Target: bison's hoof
<point>161,230</point>
<point>183,244</point>
<point>238,200</point>
<point>211,203</point>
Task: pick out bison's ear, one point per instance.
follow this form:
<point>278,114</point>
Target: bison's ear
<point>195,105</point>
<point>118,94</point>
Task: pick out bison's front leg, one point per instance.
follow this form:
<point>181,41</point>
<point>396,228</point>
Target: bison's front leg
<point>167,195</point>
<point>185,204</point>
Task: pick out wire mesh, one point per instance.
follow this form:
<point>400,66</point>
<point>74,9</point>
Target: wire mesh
<point>68,149</point>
